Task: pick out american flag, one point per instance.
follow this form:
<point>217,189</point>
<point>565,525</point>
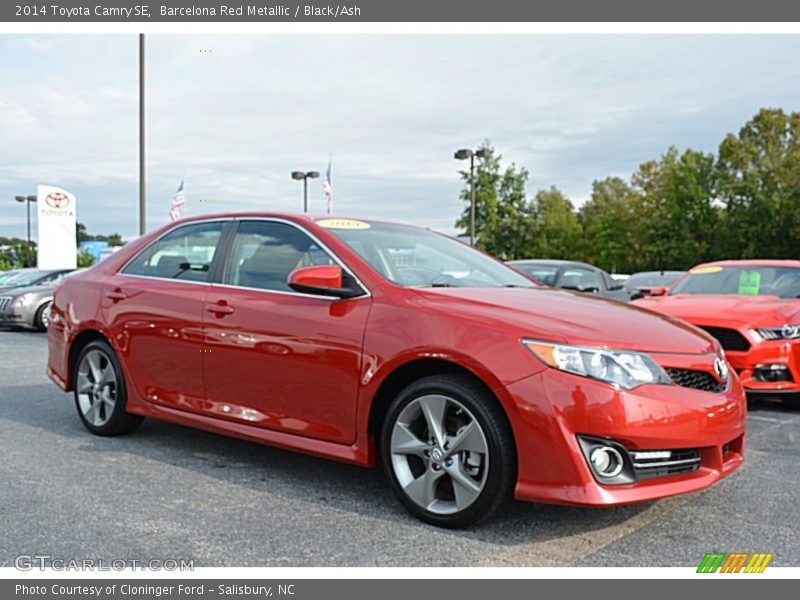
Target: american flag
<point>328,188</point>
<point>178,200</point>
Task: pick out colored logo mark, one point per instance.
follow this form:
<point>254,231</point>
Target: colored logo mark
<point>737,562</point>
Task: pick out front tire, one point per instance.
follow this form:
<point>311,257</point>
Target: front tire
<point>100,393</point>
<point>42,318</point>
<point>448,451</point>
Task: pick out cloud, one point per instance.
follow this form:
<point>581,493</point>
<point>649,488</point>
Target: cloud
<point>390,109</point>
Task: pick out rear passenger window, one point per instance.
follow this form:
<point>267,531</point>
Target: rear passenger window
<point>185,253</point>
<point>265,252</point>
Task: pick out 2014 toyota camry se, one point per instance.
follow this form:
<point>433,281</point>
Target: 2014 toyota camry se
<point>372,342</point>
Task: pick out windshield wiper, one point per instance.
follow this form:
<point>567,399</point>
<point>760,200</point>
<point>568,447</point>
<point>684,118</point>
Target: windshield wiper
<point>441,284</point>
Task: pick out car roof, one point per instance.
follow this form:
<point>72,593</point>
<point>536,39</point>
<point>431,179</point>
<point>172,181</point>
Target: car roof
<point>548,262</point>
<point>288,216</point>
<point>753,262</point>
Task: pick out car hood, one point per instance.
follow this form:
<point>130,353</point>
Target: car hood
<point>568,317</point>
<point>729,309</point>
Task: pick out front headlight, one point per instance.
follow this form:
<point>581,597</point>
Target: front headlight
<point>20,300</point>
<point>619,367</point>
<point>787,332</point>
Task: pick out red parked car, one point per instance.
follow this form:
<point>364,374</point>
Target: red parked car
<point>371,342</point>
<point>753,308</point>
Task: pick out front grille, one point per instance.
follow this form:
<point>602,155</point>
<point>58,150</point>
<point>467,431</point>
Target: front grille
<point>697,380</point>
<point>4,302</point>
<point>665,463</point>
<point>730,339</point>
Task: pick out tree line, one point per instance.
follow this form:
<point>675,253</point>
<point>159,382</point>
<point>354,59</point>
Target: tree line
<point>674,212</point>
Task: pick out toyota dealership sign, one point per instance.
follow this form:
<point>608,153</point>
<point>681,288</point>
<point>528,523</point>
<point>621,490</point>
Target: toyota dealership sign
<point>56,217</point>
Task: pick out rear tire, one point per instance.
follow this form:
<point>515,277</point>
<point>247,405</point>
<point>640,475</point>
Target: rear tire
<point>100,392</point>
<point>448,451</point>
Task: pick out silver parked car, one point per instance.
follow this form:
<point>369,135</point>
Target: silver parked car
<point>29,277</point>
<point>27,307</point>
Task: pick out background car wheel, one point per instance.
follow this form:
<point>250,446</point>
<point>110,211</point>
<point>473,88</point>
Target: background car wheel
<point>42,318</point>
<point>100,393</point>
<point>448,451</point>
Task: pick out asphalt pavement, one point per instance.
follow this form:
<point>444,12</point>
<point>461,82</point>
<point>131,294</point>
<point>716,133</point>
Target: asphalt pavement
<point>169,492</point>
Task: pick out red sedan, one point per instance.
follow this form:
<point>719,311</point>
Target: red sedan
<point>753,308</point>
<point>371,342</point>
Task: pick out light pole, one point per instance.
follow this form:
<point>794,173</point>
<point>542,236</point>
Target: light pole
<point>28,200</point>
<point>463,154</point>
<point>142,182</point>
<point>305,176</point>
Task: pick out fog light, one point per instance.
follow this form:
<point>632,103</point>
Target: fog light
<point>606,461</point>
<point>772,373</point>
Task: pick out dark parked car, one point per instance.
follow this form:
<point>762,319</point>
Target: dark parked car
<point>650,283</point>
<point>572,275</point>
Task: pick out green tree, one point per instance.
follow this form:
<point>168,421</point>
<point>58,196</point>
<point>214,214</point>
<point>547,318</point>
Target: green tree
<point>85,258</point>
<point>759,184</point>
<point>609,223</point>
<point>675,222</point>
<point>502,214</point>
<point>556,229</point>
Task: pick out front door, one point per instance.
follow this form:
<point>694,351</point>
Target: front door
<point>276,358</point>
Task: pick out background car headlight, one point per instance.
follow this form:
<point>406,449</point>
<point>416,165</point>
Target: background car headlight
<point>623,368</point>
<point>787,332</point>
<point>20,300</point>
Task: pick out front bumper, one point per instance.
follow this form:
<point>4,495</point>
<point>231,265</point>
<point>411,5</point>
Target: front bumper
<point>553,408</point>
<point>16,317</point>
<point>752,365</point>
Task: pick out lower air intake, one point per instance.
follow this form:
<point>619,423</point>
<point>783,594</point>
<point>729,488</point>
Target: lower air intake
<point>648,464</point>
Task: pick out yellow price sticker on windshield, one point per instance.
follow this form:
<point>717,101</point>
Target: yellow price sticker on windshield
<point>705,270</point>
<point>343,224</point>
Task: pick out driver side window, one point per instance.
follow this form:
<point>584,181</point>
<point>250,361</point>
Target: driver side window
<point>264,253</point>
<point>579,278</point>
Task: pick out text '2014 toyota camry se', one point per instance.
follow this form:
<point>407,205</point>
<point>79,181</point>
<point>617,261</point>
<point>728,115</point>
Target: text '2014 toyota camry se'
<point>372,342</point>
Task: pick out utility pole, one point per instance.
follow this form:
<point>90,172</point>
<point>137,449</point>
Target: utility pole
<point>142,178</point>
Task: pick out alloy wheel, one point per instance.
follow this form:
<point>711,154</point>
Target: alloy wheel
<point>96,388</point>
<point>439,454</point>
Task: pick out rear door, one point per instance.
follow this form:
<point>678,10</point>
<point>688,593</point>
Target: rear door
<point>277,358</point>
<point>154,307</point>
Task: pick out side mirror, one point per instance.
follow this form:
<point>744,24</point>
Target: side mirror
<point>323,280</point>
<point>656,291</point>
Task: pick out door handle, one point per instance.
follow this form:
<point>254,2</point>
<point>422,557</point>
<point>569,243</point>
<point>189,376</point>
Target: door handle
<point>219,309</point>
<point>116,295</point>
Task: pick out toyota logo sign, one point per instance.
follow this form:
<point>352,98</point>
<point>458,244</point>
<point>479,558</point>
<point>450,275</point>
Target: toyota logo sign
<point>57,200</point>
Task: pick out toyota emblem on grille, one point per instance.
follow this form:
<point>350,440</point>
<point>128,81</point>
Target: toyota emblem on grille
<point>57,200</point>
<point>721,368</point>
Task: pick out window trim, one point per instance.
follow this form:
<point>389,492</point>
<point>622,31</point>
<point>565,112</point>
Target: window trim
<point>216,273</point>
<point>230,241</point>
<point>211,271</point>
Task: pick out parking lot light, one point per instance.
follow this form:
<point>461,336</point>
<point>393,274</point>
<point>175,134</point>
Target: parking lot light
<point>305,176</point>
<point>464,154</point>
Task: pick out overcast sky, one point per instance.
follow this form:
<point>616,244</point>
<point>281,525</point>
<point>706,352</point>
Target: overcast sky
<point>233,115</point>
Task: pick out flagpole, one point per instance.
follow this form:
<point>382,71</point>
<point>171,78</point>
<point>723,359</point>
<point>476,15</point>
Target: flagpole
<point>142,192</point>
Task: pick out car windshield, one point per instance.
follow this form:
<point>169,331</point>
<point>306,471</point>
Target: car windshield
<point>8,276</point>
<point>410,256</point>
<point>25,277</point>
<point>744,280</point>
<point>544,273</point>
<point>655,279</point>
